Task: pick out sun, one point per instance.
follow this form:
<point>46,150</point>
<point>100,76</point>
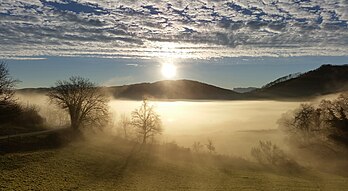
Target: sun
<point>168,70</point>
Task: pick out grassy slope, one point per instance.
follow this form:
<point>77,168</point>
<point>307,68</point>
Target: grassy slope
<point>105,165</point>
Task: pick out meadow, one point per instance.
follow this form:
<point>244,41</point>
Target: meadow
<point>110,163</point>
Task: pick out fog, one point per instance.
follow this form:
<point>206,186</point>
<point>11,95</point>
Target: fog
<point>233,126</point>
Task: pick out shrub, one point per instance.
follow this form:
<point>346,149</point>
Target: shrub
<point>29,116</point>
<point>269,154</point>
<point>197,147</point>
<point>15,118</point>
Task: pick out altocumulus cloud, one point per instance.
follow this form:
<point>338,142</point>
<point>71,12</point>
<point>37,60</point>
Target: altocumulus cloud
<point>180,28</point>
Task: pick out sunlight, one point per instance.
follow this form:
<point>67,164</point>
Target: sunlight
<point>168,70</point>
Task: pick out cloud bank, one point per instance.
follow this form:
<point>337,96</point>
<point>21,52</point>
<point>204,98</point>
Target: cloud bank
<point>180,28</point>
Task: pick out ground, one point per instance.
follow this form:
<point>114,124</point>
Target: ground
<point>115,164</point>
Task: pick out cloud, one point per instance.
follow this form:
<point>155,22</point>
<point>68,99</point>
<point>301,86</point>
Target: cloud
<point>22,58</point>
<point>133,65</point>
<point>195,29</point>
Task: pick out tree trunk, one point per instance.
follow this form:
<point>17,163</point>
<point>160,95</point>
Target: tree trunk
<point>144,139</point>
<point>74,121</point>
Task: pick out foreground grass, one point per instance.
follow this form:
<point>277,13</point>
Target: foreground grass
<point>113,164</point>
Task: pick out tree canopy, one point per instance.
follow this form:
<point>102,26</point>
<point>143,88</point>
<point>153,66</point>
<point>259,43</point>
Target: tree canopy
<point>83,100</point>
<point>146,121</point>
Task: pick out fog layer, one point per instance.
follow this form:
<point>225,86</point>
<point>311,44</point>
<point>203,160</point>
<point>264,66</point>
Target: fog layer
<point>234,126</point>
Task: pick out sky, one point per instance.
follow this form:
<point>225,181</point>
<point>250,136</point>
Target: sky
<point>237,43</point>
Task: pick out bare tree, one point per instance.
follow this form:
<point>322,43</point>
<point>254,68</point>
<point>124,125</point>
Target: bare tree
<point>146,121</point>
<point>197,147</point>
<point>85,103</point>
<point>210,146</point>
<point>7,84</point>
<point>270,154</point>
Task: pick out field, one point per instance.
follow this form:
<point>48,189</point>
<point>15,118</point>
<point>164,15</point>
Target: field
<point>111,163</point>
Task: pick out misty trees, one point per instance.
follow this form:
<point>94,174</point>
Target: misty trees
<point>85,103</point>
<point>146,121</point>
<point>210,146</point>
<point>302,123</point>
<point>143,123</point>
<point>197,146</point>
<point>325,125</point>
<point>269,154</point>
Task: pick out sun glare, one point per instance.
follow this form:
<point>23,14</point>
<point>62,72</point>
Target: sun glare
<point>168,70</point>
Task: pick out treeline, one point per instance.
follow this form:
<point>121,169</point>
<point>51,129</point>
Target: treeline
<point>316,135</point>
<point>14,117</point>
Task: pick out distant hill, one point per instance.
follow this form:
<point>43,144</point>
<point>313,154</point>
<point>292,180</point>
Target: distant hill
<point>33,90</point>
<point>168,89</point>
<point>324,80</point>
<point>282,79</point>
<point>173,89</point>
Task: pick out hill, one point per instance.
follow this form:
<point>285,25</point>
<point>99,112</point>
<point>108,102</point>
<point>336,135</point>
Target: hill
<point>173,89</point>
<point>325,80</point>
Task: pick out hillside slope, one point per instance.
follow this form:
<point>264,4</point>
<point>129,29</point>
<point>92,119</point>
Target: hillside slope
<point>325,80</point>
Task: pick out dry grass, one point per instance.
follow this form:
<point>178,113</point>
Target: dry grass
<point>107,164</point>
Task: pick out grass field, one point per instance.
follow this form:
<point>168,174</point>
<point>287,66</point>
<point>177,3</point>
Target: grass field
<point>111,163</point>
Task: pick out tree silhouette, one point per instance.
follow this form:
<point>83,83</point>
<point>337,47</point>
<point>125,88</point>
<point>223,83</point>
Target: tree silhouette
<point>210,146</point>
<point>325,125</point>
<point>9,109</point>
<point>146,121</point>
<point>197,146</point>
<point>7,84</point>
<point>85,103</point>
<point>270,154</point>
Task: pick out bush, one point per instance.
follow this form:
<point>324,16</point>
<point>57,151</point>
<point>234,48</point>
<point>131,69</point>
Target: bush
<point>29,116</point>
<point>269,154</point>
<point>16,119</point>
<point>9,112</point>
